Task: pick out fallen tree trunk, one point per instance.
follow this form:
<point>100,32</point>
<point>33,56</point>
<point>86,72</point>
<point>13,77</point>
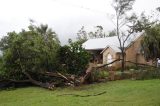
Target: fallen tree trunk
<point>6,83</point>
<point>141,64</point>
<point>88,74</point>
<point>69,81</point>
<point>85,78</point>
<point>38,83</point>
<point>108,63</point>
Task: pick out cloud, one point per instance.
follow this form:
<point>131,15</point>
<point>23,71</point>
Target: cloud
<point>65,16</point>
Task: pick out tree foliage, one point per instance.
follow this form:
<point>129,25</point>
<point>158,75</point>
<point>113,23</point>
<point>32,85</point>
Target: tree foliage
<point>112,33</point>
<point>31,51</point>
<point>151,43</point>
<point>98,33</point>
<point>83,35</point>
<point>74,58</point>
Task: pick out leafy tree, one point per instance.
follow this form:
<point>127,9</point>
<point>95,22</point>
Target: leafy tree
<point>74,57</point>
<point>142,23</point>
<point>112,33</point>
<point>151,43</point>
<point>98,33</point>
<point>48,37</point>
<point>28,51</point>
<point>83,35</point>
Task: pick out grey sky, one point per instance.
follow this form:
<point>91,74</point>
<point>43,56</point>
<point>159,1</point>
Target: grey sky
<point>66,17</point>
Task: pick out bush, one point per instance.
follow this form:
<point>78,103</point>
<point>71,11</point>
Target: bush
<point>74,58</point>
<point>122,75</point>
<point>146,74</point>
<point>98,75</point>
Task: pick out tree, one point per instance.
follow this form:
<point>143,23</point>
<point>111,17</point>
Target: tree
<point>151,43</point>
<point>158,8</point>
<point>74,58</point>
<point>121,8</point>
<point>25,54</point>
<point>98,33</point>
<point>83,35</point>
<point>112,33</point>
<point>48,37</point>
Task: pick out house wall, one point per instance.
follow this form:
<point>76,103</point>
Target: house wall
<point>133,53</point>
<point>114,55</point>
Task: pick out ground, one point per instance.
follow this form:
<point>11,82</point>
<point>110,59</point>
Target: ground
<point>118,93</point>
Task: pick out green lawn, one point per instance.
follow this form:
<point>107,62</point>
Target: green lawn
<point>118,93</point>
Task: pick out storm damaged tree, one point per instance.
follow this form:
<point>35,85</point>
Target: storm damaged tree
<point>121,8</point>
<point>26,53</point>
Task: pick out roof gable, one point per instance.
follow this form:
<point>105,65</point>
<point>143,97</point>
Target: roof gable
<point>114,48</point>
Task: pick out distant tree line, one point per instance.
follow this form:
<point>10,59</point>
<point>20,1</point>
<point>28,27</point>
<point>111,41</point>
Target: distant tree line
<point>83,35</point>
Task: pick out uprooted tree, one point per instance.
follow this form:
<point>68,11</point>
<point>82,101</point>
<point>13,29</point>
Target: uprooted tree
<point>28,53</point>
<point>35,56</point>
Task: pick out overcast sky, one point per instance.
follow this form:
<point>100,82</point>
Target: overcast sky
<point>65,17</point>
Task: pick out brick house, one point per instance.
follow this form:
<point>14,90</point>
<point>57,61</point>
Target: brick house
<point>106,50</point>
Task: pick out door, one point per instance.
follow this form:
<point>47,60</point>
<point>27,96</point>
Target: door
<point>109,59</point>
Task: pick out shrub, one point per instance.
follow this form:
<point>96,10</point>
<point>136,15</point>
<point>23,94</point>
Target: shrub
<point>148,74</point>
<point>97,75</point>
<point>122,75</point>
<point>74,58</point>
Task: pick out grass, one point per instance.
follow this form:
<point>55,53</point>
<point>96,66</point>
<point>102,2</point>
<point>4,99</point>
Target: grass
<point>118,93</point>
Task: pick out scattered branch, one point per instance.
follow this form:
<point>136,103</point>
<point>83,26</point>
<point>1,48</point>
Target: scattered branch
<point>76,95</point>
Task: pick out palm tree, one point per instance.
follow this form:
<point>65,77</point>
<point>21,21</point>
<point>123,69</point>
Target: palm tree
<point>47,33</point>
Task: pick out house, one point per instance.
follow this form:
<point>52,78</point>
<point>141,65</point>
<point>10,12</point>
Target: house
<point>106,50</point>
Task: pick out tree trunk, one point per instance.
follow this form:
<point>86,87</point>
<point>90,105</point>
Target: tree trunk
<point>86,78</point>
<point>38,83</point>
<point>123,62</point>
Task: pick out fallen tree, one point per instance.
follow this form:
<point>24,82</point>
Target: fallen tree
<point>88,74</point>
<point>14,83</point>
<point>38,83</point>
<point>59,78</point>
